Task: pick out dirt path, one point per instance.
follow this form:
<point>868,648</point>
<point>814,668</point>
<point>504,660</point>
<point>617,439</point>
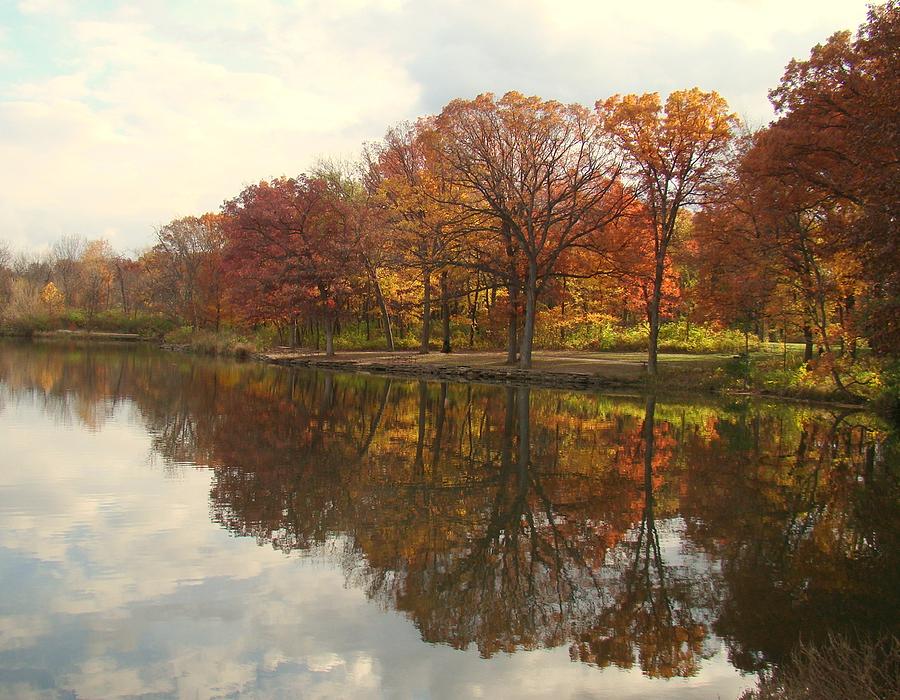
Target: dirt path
<point>549,368</point>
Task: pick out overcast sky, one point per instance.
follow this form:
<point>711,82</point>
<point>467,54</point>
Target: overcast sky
<point>116,117</point>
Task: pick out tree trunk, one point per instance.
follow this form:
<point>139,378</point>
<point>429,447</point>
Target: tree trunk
<point>808,343</point>
<point>509,426</point>
<point>562,313</point>
<point>528,329</point>
<point>649,414</point>
<point>295,333</point>
<point>382,306</point>
<point>376,421</point>
<point>445,311</point>
<point>473,321</point>
<point>512,331</point>
<point>329,336</point>
<point>439,425</point>
<point>419,461</point>
<point>122,289</point>
<point>523,406</point>
<point>366,316</point>
<point>426,313</point>
<point>653,317</point>
<point>512,345</point>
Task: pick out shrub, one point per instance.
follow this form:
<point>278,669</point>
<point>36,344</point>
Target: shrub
<point>887,402</point>
<point>226,342</point>
<point>837,669</point>
<point>598,332</point>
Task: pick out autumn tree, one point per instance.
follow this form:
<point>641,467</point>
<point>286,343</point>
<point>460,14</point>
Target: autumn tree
<point>66,256</point>
<point>5,271</point>
<point>97,277</point>
<point>355,190</point>
<point>289,251</point>
<point>543,174</point>
<point>407,169</point>
<point>127,279</point>
<point>738,266</point>
<point>837,135</point>
<point>190,249</point>
<point>674,152</point>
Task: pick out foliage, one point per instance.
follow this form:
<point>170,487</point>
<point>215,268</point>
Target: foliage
<point>887,402</point>
<point>597,332</point>
<point>648,222</point>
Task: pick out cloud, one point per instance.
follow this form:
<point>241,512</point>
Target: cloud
<point>146,127</point>
<point>142,113</point>
<point>45,7</point>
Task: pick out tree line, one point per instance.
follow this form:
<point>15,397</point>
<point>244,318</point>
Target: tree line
<point>500,217</point>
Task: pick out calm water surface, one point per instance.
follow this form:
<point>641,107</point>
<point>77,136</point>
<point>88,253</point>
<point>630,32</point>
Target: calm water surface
<point>177,527</point>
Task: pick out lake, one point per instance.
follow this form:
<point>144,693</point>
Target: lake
<point>173,526</point>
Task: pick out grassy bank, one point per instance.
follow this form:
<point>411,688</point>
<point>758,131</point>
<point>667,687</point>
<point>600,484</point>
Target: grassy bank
<point>151,326</point>
<point>702,360</point>
<point>225,343</point>
<point>693,358</point>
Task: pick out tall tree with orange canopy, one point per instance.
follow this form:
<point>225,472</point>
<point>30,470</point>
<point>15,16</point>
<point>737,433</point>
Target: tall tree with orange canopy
<point>675,152</point>
<point>544,174</point>
<point>837,135</point>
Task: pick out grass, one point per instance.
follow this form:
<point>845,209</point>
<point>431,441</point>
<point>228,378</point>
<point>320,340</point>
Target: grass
<point>691,358</point>
<point>590,333</point>
<point>144,324</point>
<point>225,343</point>
<point>837,669</point>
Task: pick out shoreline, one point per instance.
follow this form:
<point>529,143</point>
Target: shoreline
<point>435,367</point>
<point>461,373</point>
<point>599,372</point>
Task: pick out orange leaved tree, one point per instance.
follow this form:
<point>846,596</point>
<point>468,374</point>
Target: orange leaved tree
<point>545,174</point>
<point>675,152</point>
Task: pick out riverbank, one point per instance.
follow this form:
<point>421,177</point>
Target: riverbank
<point>89,335</point>
<point>549,369</point>
<point>679,373</point>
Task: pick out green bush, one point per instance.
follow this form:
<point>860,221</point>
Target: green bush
<point>26,326</point>
<point>143,324</point>
<point>601,333</point>
<point>887,402</point>
<point>73,319</point>
<point>148,325</point>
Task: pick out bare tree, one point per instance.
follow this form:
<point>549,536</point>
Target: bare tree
<point>66,258</point>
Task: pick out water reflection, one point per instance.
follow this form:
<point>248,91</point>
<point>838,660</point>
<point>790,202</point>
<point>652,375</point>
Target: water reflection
<point>632,532</point>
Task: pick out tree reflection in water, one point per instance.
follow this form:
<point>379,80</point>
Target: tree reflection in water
<point>631,531</point>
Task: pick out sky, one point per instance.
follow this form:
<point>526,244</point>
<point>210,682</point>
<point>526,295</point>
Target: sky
<point>117,117</point>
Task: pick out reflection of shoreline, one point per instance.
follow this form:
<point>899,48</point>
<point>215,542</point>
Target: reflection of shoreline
<point>518,518</point>
<point>401,367</point>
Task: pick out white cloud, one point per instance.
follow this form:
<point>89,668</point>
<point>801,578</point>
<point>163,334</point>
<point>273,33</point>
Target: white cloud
<point>148,128</point>
<point>44,7</point>
<point>161,110</point>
